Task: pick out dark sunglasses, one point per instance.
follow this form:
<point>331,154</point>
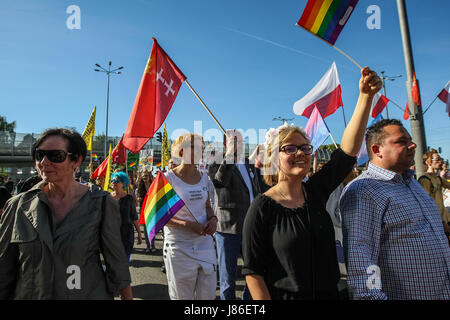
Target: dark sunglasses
<point>55,156</point>
<point>292,149</point>
<point>115,181</point>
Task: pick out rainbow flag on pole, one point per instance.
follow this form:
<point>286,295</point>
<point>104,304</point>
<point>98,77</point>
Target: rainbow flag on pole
<point>160,204</point>
<point>326,18</point>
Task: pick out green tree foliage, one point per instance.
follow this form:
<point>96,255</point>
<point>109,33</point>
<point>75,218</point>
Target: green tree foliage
<point>7,126</point>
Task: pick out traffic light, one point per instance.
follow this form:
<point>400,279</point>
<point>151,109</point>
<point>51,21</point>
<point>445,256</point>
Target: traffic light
<point>159,137</point>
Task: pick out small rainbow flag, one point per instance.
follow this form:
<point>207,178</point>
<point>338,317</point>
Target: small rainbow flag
<point>158,164</point>
<point>160,204</point>
<point>131,165</point>
<point>326,18</point>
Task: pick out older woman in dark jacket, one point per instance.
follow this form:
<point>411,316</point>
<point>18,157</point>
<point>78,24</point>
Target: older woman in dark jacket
<point>51,236</point>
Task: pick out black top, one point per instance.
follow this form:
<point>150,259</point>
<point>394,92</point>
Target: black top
<point>128,215</point>
<point>294,249</point>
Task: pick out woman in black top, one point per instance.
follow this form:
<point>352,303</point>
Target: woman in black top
<point>128,212</point>
<point>288,238</point>
<point>144,184</point>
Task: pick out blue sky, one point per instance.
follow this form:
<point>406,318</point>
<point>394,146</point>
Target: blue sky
<point>246,59</point>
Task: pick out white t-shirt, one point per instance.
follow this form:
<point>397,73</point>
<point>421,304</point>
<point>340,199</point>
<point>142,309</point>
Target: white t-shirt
<point>194,196</point>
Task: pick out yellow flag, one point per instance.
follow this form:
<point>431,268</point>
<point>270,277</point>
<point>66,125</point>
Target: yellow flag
<point>165,153</point>
<point>89,130</point>
<point>108,170</point>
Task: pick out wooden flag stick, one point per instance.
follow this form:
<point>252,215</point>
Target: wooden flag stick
<point>204,105</point>
<point>348,57</point>
<point>339,50</point>
<point>331,136</point>
<point>329,132</point>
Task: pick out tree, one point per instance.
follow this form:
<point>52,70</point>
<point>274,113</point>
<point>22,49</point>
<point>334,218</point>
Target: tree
<point>5,126</point>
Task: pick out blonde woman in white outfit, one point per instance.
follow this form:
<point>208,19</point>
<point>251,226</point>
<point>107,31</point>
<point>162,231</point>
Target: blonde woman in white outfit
<point>189,252</point>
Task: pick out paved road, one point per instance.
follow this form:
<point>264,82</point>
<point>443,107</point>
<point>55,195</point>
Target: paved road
<point>147,280</point>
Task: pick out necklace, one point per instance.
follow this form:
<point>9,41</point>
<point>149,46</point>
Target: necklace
<point>285,198</point>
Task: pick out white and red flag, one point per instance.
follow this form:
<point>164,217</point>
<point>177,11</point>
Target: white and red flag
<point>379,102</point>
<point>326,96</point>
<point>159,87</point>
<point>444,96</point>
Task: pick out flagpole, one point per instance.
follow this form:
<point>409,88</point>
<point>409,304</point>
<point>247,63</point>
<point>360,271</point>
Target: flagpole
<point>204,105</point>
<point>329,132</point>
<point>90,166</point>
<point>347,56</point>
<point>343,113</point>
<point>331,136</point>
<point>430,105</point>
<point>339,50</point>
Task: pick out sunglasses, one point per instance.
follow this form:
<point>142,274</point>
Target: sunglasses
<point>55,156</point>
<point>292,149</point>
<point>115,181</point>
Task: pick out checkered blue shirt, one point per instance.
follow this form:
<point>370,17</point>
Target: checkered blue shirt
<point>394,241</point>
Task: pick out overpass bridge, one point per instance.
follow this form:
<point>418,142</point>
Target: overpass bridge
<point>16,160</point>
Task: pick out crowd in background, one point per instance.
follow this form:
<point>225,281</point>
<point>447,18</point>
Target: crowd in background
<point>300,226</point>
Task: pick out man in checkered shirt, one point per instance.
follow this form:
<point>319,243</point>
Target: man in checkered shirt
<point>394,241</point>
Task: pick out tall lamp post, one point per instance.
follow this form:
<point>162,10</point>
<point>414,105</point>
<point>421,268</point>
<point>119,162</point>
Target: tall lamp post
<point>108,72</point>
<point>384,78</point>
<point>284,120</point>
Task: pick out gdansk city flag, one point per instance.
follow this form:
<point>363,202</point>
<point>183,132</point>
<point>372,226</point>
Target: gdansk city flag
<point>159,87</point>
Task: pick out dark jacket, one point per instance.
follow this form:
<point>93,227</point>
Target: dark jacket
<point>232,197</point>
<point>40,260</point>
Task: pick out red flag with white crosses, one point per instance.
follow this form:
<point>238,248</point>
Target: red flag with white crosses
<point>159,87</point>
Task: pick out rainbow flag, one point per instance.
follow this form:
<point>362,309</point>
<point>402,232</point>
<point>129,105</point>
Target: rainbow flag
<point>131,165</point>
<point>326,18</point>
<point>158,164</point>
<point>160,204</point>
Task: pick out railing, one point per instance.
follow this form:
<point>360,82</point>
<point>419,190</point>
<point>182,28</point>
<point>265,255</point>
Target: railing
<point>20,144</point>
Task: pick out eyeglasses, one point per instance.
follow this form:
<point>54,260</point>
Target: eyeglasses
<point>292,149</point>
<point>438,159</point>
<point>55,156</point>
<point>115,181</point>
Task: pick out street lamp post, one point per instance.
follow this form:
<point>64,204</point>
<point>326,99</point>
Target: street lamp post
<point>384,78</point>
<point>108,72</point>
<point>284,120</point>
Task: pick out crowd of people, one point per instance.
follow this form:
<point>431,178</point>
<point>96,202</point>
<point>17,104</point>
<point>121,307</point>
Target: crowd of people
<point>299,226</point>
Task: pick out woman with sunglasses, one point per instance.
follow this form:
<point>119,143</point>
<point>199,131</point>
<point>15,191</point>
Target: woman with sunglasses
<point>51,236</point>
<point>288,238</point>
<point>189,253</point>
<point>128,214</point>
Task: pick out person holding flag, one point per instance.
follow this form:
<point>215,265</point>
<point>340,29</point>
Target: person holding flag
<point>288,238</point>
<point>189,252</point>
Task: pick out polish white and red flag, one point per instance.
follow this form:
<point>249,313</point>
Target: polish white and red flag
<point>379,102</point>
<point>326,96</point>
<point>444,96</point>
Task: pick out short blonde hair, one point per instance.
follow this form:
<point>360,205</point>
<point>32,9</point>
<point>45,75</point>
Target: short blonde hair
<point>270,167</point>
<point>185,141</point>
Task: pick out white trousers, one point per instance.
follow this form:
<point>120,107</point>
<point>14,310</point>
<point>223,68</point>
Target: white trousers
<point>191,270</point>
